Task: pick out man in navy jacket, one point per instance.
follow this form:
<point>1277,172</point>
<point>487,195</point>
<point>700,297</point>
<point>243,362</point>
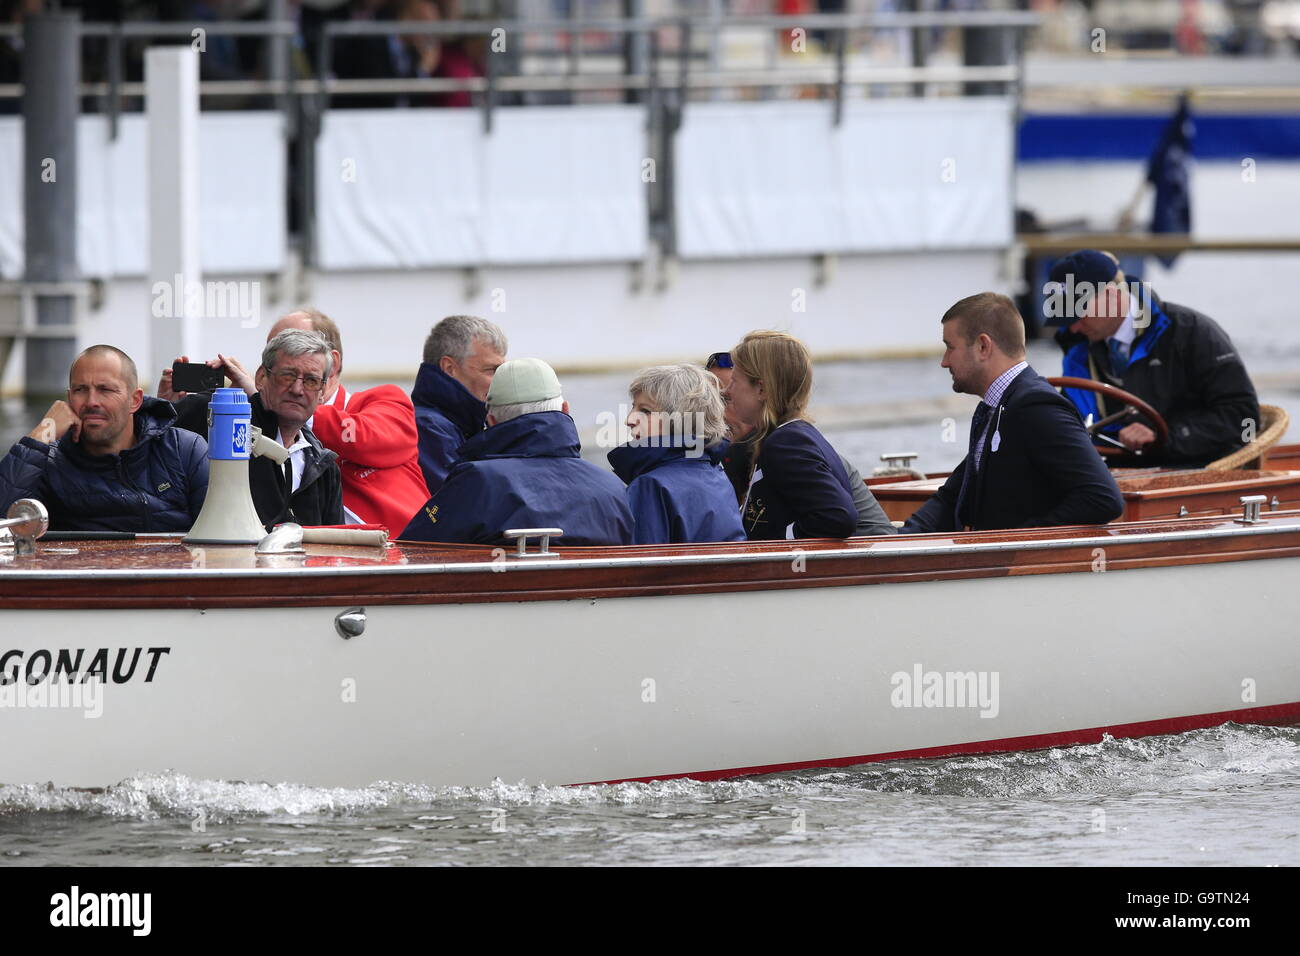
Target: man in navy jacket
<point>109,458</point>
<point>1030,461</point>
<point>461,355</point>
<point>525,471</point>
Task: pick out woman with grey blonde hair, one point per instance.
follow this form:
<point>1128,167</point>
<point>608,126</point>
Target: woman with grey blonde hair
<point>676,489</point>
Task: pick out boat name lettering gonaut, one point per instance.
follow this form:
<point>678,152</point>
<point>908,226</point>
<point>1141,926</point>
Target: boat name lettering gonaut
<point>66,664</point>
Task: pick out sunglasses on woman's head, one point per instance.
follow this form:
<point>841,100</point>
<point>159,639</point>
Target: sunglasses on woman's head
<point>719,360</point>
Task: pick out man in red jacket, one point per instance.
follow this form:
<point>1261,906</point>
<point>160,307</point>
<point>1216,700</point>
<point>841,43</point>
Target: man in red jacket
<point>372,432</point>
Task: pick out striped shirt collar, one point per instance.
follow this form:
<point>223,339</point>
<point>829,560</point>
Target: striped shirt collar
<point>994,395</point>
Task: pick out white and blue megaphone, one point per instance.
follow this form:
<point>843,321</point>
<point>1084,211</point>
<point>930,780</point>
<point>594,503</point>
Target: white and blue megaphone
<point>228,515</point>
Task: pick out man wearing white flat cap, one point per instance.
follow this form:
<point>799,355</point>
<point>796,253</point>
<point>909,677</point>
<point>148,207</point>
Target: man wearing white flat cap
<point>525,471</point>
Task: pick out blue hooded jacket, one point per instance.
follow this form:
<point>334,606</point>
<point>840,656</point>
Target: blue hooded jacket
<point>525,473</point>
<point>677,499</point>
<point>158,484</point>
<point>446,414</point>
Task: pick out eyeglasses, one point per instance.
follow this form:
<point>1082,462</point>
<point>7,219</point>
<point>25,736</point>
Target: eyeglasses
<point>285,378</point>
<point>719,360</point>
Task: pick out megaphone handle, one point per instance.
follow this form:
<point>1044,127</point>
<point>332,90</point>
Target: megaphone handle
<point>262,445</point>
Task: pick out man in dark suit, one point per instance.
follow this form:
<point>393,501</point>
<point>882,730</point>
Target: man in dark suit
<point>1031,462</point>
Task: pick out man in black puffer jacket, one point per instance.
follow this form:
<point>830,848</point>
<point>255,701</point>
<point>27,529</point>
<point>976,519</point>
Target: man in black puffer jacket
<point>108,459</point>
<point>1180,362</point>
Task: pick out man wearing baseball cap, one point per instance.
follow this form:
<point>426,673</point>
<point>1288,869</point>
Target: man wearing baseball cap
<point>1179,361</point>
<point>525,471</point>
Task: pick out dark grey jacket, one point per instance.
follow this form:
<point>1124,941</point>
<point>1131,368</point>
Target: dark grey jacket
<point>1187,369</point>
<point>319,498</point>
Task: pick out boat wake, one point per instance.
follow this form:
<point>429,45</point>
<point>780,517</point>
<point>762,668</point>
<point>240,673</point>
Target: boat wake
<point>1230,756</point>
<point>1212,759</point>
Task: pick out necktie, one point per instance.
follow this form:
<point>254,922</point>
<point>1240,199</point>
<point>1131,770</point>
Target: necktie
<point>979,422</point>
<point>1118,355</point>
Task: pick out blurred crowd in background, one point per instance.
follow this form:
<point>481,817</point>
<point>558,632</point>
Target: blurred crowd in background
<point>1191,27</point>
<point>245,58</point>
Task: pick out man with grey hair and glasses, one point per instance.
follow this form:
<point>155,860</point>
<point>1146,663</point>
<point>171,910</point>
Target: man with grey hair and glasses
<point>461,355</point>
<point>284,392</point>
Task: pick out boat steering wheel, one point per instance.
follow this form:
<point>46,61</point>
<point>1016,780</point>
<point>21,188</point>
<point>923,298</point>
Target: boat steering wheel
<point>1132,407</point>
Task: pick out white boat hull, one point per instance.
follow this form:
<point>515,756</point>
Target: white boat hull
<point>580,691</point>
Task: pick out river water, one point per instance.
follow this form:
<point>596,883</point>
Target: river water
<point>1223,796</point>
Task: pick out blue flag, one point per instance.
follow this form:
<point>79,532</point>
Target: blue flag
<point>1169,172</point>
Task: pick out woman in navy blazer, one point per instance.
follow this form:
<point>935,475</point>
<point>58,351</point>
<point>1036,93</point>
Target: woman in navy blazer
<point>798,487</point>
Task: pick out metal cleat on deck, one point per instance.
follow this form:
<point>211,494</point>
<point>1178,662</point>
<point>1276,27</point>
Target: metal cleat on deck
<point>1250,509</point>
<point>898,464</point>
<point>521,536</point>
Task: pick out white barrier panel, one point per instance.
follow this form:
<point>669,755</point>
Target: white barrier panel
<point>11,197</point>
<point>757,179</point>
<point>397,189</point>
<point>242,195</point>
<point>428,187</point>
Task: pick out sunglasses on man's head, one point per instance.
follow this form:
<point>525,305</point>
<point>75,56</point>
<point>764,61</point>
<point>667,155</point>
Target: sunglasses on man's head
<point>719,360</point>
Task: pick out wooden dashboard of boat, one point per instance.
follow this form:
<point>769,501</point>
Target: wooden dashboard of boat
<point>1148,492</point>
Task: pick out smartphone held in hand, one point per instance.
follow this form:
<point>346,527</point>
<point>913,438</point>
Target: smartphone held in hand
<point>195,377</point>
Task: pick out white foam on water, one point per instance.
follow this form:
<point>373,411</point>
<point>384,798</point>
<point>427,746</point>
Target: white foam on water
<point>1207,759</point>
<point>1220,757</point>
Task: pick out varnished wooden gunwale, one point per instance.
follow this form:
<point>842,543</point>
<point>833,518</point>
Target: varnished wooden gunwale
<point>900,500</point>
<point>1282,457</point>
<point>412,574</point>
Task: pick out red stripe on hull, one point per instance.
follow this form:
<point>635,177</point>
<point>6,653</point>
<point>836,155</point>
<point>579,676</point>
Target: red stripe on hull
<point>1276,714</point>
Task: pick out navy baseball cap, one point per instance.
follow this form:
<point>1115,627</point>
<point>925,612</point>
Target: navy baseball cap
<point>1086,265</point>
<point>1081,268</point>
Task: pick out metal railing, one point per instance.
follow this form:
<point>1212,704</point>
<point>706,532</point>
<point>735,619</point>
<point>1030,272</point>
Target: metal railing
<point>835,77</point>
<point>1146,243</point>
<point>114,89</point>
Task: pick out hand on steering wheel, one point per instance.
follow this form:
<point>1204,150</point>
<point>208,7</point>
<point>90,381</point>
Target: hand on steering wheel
<point>1131,407</point>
